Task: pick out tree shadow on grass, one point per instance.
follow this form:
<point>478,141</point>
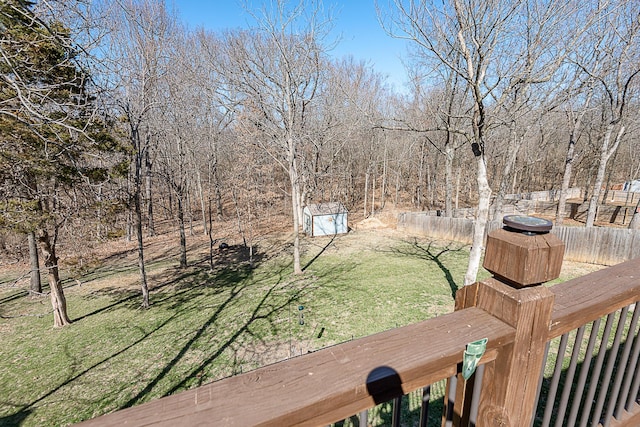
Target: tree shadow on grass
<point>25,409</point>
<point>18,294</point>
<point>173,294</point>
<point>271,293</point>
<point>429,252</point>
<point>265,309</point>
<point>14,419</point>
<point>312,260</point>
<point>279,293</point>
<point>180,285</point>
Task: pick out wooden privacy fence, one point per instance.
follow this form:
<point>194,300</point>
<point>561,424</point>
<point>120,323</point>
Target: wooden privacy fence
<point>509,388</point>
<point>621,198</point>
<point>546,195</point>
<point>596,245</point>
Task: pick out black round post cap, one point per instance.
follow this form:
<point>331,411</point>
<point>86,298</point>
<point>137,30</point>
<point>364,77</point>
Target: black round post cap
<point>529,224</point>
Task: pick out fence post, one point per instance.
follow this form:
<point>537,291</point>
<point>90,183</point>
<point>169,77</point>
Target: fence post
<point>521,256</point>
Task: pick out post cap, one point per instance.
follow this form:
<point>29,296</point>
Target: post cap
<point>524,253</point>
<point>527,224</point>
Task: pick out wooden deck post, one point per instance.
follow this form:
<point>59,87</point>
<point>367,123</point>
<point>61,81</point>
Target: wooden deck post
<point>521,260</point>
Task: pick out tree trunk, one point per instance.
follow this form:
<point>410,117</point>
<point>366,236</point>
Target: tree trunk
<point>366,190</point>
<point>189,211</point>
<point>448,180</point>
<point>482,216</point>
<point>129,225</point>
<point>457,204</point>
<point>143,273</point>
<point>605,195</point>
<point>295,207</point>
<point>635,220</point>
<point>418,201</point>
<point>566,180</point>
<point>383,186</point>
<point>203,208</point>
<point>429,186</point>
<point>58,301</point>
<point>218,189</point>
<point>297,269</point>
<point>151,231</point>
<point>183,238</point>
<point>373,192</point>
<point>211,240</point>
<point>515,142</point>
<point>36,284</point>
<point>605,154</point>
<point>137,203</point>
<point>397,189</point>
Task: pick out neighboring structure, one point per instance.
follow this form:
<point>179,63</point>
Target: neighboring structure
<point>325,219</point>
<point>632,186</point>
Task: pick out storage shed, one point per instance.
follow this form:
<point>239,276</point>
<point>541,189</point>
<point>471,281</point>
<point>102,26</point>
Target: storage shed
<point>325,219</point>
<point>632,186</point>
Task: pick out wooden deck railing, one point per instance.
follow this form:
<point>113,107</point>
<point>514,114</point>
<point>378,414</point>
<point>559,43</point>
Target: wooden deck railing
<point>521,325</point>
<point>596,377</point>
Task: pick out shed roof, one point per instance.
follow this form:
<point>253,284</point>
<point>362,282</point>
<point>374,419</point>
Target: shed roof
<point>327,208</point>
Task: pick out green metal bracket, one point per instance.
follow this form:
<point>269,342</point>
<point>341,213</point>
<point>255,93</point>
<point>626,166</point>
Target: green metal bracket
<point>472,356</point>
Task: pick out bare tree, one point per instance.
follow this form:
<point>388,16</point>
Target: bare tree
<point>276,70</point>
<point>612,60</point>
<point>502,46</point>
<point>436,114</point>
<point>136,60</point>
<point>180,120</point>
<point>575,116</point>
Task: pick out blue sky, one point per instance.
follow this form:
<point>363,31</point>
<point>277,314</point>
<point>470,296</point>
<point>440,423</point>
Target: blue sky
<point>355,21</point>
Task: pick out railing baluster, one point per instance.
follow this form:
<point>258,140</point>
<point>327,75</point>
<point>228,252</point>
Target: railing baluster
<point>364,418</point>
<point>593,386</point>
<point>451,398</point>
<point>630,369</point>
<point>540,381</point>
<point>621,365</point>
<point>568,382</point>
<point>635,385</point>
<point>557,372</point>
<point>424,407</point>
<point>584,373</point>
<point>475,397</point>
<point>611,362</point>
<point>396,411</point>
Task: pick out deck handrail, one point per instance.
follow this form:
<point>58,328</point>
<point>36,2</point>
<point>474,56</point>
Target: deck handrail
<point>589,297</point>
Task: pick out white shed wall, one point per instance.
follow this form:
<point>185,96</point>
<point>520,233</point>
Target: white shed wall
<point>325,225</point>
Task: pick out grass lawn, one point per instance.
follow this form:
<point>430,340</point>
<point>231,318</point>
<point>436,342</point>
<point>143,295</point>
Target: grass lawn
<point>205,325</point>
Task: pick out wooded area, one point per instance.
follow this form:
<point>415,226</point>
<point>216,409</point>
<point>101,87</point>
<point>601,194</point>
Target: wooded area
<point>114,117</point>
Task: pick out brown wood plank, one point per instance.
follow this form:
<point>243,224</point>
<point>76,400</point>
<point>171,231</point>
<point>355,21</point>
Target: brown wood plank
<point>328,385</point>
<point>523,260</point>
<point>629,418</point>
<point>514,376</point>
<point>587,298</point>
